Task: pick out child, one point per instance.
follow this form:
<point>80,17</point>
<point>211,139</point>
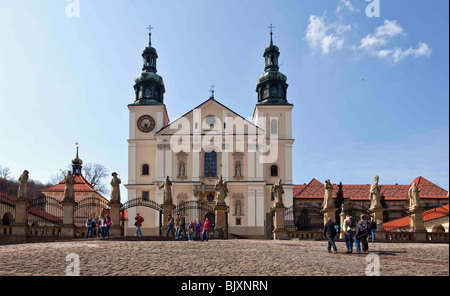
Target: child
<point>191,231</point>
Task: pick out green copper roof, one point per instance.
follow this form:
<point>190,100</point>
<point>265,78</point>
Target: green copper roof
<point>149,76</point>
<point>272,75</point>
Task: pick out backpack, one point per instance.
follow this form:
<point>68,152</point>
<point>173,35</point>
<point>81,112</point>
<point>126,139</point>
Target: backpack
<point>362,230</point>
<point>92,221</point>
<point>352,222</point>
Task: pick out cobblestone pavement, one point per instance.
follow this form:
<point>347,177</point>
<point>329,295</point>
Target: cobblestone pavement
<point>231,258</point>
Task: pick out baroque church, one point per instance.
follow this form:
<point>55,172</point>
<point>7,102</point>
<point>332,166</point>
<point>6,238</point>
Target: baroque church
<point>210,141</point>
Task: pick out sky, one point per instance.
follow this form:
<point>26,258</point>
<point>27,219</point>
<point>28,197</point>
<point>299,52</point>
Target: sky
<point>370,88</point>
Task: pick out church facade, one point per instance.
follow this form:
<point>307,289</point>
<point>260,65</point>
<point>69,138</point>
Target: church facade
<point>210,141</point>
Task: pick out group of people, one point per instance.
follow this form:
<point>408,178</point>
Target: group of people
<point>103,225</point>
<point>195,231</point>
<point>357,232</point>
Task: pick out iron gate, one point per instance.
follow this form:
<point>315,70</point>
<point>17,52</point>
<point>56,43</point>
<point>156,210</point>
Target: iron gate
<point>45,211</point>
<point>140,202</point>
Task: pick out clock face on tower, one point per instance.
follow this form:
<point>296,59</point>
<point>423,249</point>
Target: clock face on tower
<point>146,123</point>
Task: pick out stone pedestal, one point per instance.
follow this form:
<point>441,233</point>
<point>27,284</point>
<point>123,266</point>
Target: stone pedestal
<point>167,210</point>
<point>221,221</point>
<point>20,220</point>
<point>68,227</point>
<point>329,213</point>
<point>114,213</point>
<point>416,224</point>
<point>279,229</point>
<point>377,214</point>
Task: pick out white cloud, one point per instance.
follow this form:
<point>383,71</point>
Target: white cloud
<point>346,5</point>
<point>397,54</point>
<point>372,44</point>
<point>323,36</point>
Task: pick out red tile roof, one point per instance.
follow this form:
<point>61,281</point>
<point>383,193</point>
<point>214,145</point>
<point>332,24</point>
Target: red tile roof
<point>316,190</point>
<point>81,185</point>
<point>7,199</point>
<point>427,216</point>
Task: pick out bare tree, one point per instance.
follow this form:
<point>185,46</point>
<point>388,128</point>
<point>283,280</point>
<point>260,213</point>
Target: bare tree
<point>5,173</point>
<point>94,173</point>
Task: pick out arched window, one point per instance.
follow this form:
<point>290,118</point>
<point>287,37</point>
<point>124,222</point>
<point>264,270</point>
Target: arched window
<point>210,164</point>
<point>274,171</point>
<point>145,170</point>
<point>274,126</point>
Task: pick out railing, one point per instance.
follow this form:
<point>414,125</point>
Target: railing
<point>5,230</point>
<point>43,231</point>
<point>399,236</point>
<point>306,234</point>
<point>438,237</point>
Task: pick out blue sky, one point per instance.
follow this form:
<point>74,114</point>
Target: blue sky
<point>371,95</point>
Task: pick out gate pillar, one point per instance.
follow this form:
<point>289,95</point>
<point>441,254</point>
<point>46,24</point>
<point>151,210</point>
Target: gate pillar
<point>20,225</point>
<point>114,212</point>
<point>68,227</point>
<point>416,224</point>
<point>167,210</point>
<point>329,213</point>
<point>280,231</point>
<point>221,221</point>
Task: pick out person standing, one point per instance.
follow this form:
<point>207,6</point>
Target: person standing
<point>138,224</point>
<point>170,223</point>
<point>103,225</point>
<point>177,224</point>
<point>182,228</point>
<point>99,227</point>
<point>109,223</point>
<point>191,231</point>
<point>373,227</point>
<point>198,229</point>
<point>361,235</point>
<point>206,228</point>
<point>349,229</point>
<point>330,231</point>
<point>90,224</point>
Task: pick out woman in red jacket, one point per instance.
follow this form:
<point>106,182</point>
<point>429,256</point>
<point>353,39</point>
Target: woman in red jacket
<point>138,224</point>
<point>206,228</point>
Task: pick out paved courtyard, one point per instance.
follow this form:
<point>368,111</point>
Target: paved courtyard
<point>230,258</point>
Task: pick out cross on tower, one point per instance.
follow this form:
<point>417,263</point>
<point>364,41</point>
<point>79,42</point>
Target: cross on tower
<point>271,27</point>
<point>150,28</point>
<point>212,91</point>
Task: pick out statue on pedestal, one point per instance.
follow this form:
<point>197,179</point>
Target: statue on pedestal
<point>277,191</point>
<point>413,196</point>
<point>182,170</point>
<point>23,185</point>
<point>375,195</point>
<point>115,188</point>
<point>328,196</point>
<point>221,189</point>
<point>69,194</point>
<point>167,186</point>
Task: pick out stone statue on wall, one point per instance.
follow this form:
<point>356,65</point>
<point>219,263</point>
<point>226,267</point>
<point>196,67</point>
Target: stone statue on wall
<point>23,185</point>
<point>182,171</point>
<point>115,188</point>
<point>375,195</point>
<point>278,191</point>
<point>238,170</point>
<point>413,195</point>
<point>328,196</point>
<point>221,189</point>
<point>167,186</point>
<point>69,194</point>
<point>238,209</point>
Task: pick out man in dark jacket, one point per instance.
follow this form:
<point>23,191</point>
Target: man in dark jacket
<point>182,228</point>
<point>330,231</point>
<point>362,234</point>
<point>170,223</point>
